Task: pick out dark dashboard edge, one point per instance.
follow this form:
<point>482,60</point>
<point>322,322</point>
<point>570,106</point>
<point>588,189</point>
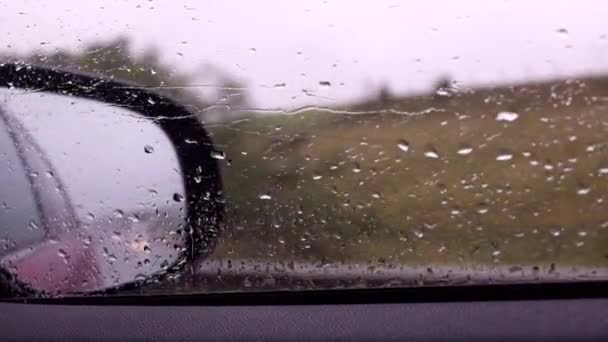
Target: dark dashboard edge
<point>461,293</point>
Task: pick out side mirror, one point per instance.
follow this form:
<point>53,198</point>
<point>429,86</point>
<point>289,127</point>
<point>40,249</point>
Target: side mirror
<point>103,184</point>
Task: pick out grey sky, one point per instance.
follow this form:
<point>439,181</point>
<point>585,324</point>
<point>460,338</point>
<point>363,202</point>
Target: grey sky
<point>362,44</point>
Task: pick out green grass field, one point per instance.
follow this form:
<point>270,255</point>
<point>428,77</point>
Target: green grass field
<point>342,189</point>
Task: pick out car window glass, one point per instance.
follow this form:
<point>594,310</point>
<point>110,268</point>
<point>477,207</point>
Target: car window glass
<point>367,144</point>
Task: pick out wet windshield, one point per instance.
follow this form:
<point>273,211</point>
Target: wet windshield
<point>368,144</point>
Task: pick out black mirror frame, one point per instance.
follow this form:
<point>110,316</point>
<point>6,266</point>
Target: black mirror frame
<point>193,147</point>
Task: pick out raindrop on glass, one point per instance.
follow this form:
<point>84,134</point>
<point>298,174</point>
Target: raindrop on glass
<point>464,150</point>
<point>556,232</point>
<point>62,253</point>
<point>507,116</point>
<point>443,92</point>
<point>482,209</point>
<point>177,197</point>
<point>504,156</point>
<point>217,155</point>
<point>431,153</point>
<point>583,191</point>
<point>403,145</point>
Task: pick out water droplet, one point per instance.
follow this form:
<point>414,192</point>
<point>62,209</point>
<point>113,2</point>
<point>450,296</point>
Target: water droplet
<point>148,149</point>
<point>62,253</point>
<point>325,84</point>
<point>464,150</point>
<point>443,92</point>
<point>316,176</point>
<point>178,198</point>
<point>556,232</point>
<point>217,155</point>
<point>403,145</point>
<point>264,197</point>
<point>431,153</point>
<point>376,195</point>
<point>603,171</point>
<point>119,213</point>
<point>507,116</point>
<point>583,191</point>
<point>133,218</point>
<point>33,225</point>
<point>116,235</point>
<point>483,209</point>
<point>562,31</point>
<point>356,168</point>
<point>419,234</point>
<point>87,240</point>
<point>504,156</point>
<point>247,282</point>
<point>151,101</point>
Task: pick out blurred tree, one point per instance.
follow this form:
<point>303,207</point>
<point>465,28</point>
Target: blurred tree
<point>115,59</point>
<point>384,94</point>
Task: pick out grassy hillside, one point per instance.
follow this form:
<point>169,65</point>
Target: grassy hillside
<point>425,179</point>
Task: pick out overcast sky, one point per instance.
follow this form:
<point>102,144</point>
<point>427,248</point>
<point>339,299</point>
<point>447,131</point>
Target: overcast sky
<point>355,45</point>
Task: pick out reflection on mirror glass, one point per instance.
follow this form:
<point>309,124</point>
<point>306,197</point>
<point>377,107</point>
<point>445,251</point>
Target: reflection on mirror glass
<point>361,144</point>
<point>88,195</point>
